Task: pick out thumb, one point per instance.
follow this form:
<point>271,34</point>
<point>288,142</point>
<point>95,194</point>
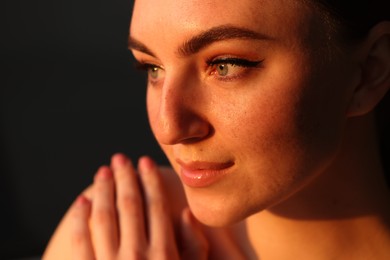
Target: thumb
<point>194,243</point>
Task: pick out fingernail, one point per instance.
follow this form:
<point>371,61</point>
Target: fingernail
<point>81,200</point>
<point>104,173</point>
<point>187,216</point>
<point>146,163</point>
<point>118,160</point>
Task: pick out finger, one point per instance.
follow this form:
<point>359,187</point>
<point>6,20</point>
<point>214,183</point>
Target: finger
<point>104,221</point>
<point>130,206</point>
<point>81,239</point>
<point>194,242</point>
<point>161,233</point>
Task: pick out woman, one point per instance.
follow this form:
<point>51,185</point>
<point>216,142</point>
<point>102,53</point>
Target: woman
<point>265,111</point>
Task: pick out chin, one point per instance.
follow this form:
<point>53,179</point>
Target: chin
<point>216,213</point>
<point>214,219</point>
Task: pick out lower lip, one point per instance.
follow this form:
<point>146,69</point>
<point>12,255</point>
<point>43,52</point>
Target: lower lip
<point>202,178</point>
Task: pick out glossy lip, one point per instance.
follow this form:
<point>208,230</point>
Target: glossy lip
<point>200,174</point>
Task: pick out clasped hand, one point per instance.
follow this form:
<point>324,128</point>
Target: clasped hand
<point>127,217</point>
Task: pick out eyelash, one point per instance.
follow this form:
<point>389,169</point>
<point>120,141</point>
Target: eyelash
<point>212,64</point>
<point>235,62</point>
<point>145,66</point>
<point>148,67</point>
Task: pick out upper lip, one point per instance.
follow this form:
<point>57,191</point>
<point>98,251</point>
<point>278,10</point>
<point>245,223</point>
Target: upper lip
<point>204,165</point>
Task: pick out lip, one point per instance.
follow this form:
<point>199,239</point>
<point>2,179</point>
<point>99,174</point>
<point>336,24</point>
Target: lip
<point>199,174</point>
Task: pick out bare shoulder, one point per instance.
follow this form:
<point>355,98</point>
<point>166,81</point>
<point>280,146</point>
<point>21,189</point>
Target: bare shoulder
<point>59,246</point>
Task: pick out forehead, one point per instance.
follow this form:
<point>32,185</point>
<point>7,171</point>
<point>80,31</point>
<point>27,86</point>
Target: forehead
<point>177,20</point>
<point>192,12</point>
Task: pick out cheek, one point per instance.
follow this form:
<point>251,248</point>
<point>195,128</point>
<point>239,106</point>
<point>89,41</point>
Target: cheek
<point>262,115</point>
<point>286,122</point>
<point>153,103</point>
<point>152,109</point>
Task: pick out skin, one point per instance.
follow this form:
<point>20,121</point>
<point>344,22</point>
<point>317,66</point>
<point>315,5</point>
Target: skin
<point>291,114</point>
<point>297,128</point>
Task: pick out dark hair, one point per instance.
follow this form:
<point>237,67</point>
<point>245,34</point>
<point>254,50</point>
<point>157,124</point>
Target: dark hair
<point>354,20</point>
<point>357,17</point>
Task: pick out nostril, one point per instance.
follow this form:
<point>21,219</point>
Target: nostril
<point>177,112</point>
<point>184,129</point>
<point>198,136</point>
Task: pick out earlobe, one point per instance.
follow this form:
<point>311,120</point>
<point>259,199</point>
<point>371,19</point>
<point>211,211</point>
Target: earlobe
<point>375,68</point>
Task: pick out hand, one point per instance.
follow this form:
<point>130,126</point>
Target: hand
<point>129,218</point>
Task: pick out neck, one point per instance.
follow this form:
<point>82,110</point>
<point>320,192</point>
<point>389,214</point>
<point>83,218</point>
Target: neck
<point>344,212</point>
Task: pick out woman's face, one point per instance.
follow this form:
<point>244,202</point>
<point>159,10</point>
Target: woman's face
<point>243,96</point>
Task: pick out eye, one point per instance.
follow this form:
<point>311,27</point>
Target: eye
<point>231,68</point>
<point>223,69</point>
<point>154,72</point>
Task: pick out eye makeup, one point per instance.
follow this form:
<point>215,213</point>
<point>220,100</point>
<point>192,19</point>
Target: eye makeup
<point>230,68</point>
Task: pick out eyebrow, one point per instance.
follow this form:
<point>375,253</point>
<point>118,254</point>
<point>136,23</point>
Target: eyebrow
<point>139,46</point>
<point>202,40</point>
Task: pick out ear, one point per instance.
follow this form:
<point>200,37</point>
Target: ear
<point>375,71</point>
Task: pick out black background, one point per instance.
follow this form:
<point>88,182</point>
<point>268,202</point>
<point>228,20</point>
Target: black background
<point>70,98</point>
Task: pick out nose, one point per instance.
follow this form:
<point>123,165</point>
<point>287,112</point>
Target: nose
<point>177,112</point>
